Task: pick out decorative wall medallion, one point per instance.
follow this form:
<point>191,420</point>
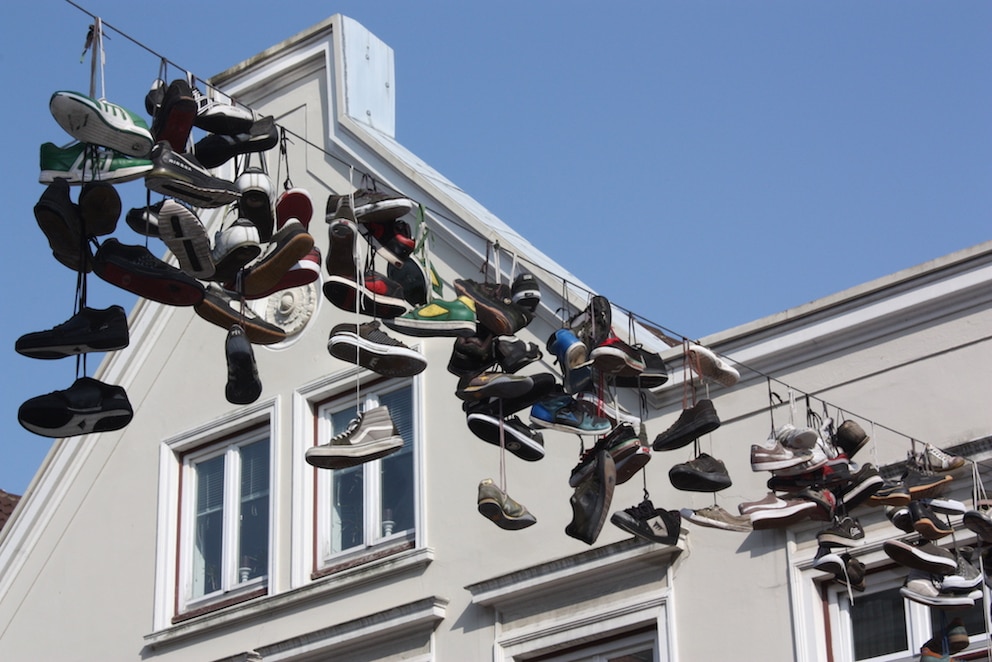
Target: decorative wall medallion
<point>290,309</point>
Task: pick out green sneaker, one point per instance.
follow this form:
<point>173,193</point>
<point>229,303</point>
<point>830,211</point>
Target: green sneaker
<point>70,163</point>
<point>100,122</point>
<point>438,318</point>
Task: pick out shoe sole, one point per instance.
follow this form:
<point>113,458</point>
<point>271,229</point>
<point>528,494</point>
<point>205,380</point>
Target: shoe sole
<point>86,124</point>
<point>266,274</point>
<point>550,425</point>
<point>910,557</point>
<point>61,239</point>
<point>183,233</point>
<point>429,328</point>
<point>699,482</point>
<point>341,457</point>
<point>383,211</point>
<point>491,509</point>
<point>691,516</point>
<point>780,517</point>
<point>167,183</point>
<point>217,311</point>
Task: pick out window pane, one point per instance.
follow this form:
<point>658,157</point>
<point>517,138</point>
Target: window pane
<point>396,482</point>
<point>640,656</point>
<point>253,549</point>
<point>973,619</point>
<point>878,623</point>
<point>207,570</point>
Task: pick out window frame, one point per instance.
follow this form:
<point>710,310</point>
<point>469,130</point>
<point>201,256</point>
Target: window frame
<point>231,591</point>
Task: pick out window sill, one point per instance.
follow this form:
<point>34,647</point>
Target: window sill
<point>245,612</point>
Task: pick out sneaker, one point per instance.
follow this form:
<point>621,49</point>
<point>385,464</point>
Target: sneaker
<point>437,319</point>
<point>234,248</point>
<point>979,522</point>
<point>375,295</point>
<point>615,357</point>
<point>80,162</point>
<point>186,237</point>
<point>891,493</point>
<point>255,203</point>
<point>494,306</point>
<point>617,414</point>
<point>816,460</point>
<point>781,515</point>
<point>135,269</point>
<point>654,374</point>
<point>181,176</point>
<point>216,149</point>
<point>59,219</point>
<point>795,438</point>
<point>100,122</point>
<point>773,456</point>
<point>154,96</point>
<point>369,436</point>
<point>936,459</point>
<point>627,467</point>
<point>570,352</point>
<point>144,220</point>
<point>591,500</point>
<point>900,518</point>
<point>850,437</point>
<point>545,386</point>
<point>594,323</point>
<point>89,330</point>
<point>921,484</point>
<point>305,271</point>
<point>373,349</point>
<point>496,505</point>
<point>99,208</point>
<point>704,473</point>
<point>86,406</point>
<point>173,118</point>
<point>565,414</point>
<point>963,580</point>
<point>471,355</point>
<point>716,517</point>
<point>518,438</point>
<point>922,555</point>
<point>923,588</point>
<point>845,532</point>
<point>412,276</point>
<point>221,309</point>
<point>217,116</point>
<point>710,366</point>
<point>375,206</point>
<point>692,423</point>
<point>926,522</point>
<point>620,443</point>
<point>288,246</point>
<point>525,291</point>
<point>863,485</point>
<point>650,523</point>
<point>243,385</point>
<point>829,561</point>
<point>393,240</point>
<point>493,385</point>
<point>294,203</point>
<point>770,500</point>
<point>514,354</point>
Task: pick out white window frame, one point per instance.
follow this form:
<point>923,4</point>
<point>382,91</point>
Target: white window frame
<point>307,566</point>
<point>371,483</point>
<point>231,585</point>
<point>169,605</point>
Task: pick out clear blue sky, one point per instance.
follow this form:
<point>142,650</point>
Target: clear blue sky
<point>703,163</point>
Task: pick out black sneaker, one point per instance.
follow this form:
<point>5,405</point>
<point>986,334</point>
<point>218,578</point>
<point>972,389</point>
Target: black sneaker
<point>891,493</point>
<point>620,443</point>
<point>496,505</point>
<point>144,220</point>
<point>174,114</point>
<point>845,532</point>
<point>525,291</point>
<point>702,474</point>
<point>650,523</point>
<point>136,270</point>
<point>99,208</point>
<point>861,486</point>
<point>922,555</point>
<point>544,384</point>
<point>518,438</point>
<point>59,219</point>
<point>591,500</point>
<point>372,348</point>
<point>243,384</point>
<point>594,324</point>
<point>654,374</point>
<point>692,423</point>
<point>922,484</point>
<point>494,306</point>
<point>183,177</point>
<point>376,294</point>
<point>86,406</point>
<point>372,206</point>
<point>89,330</point>
<point>217,149</point>
<point>493,385</point>
<point>471,355</point>
<point>927,523</point>
<point>513,354</point>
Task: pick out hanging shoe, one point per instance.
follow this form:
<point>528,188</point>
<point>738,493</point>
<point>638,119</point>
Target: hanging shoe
<point>471,355</point>
<point>216,116</point>
<point>221,309</point>
<point>74,164</point>
<point>703,473</point>
<point>59,219</point>
<point>710,366</point>
<point>294,203</point>
<point>493,385</point>
<point>370,347</point>
<point>135,269</point>
<point>496,505</point>
<point>243,385</point>
<point>520,439</point>
<point>436,319</point>
<point>100,122</point>
<point>89,330</point>
<point>373,206</point>
<point>695,421</point>
<point>99,208</point>
<point>591,500</point>
<point>369,436</point>
<point>255,203</point>
<point>184,234</point>
<point>182,176</point>
<point>565,414</point>
<point>87,406</point>
<point>217,149</point>
<point>650,523</point>
<point>173,118</point>
<point>234,247</point>
<point>621,443</point>
<point>494,306</point>
<point>288,246</point>
<point>525,291</point>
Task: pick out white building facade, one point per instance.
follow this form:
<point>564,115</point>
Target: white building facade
<point>199,532</point>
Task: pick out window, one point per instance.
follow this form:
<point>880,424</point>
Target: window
<point>641,647</point>
<point>225,526</point>
<point>372,505</point>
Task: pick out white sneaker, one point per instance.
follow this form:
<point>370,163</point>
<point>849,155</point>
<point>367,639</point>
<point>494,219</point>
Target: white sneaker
<point>100,122</point>
<point>938,460</point>
<point>709,365</point>
<point>256,200</point>
<point>234,247</point>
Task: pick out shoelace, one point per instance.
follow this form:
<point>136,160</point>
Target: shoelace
<point>350,430</point>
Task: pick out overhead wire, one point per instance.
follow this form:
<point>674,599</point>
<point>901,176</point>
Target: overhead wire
<point>670,337</point>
